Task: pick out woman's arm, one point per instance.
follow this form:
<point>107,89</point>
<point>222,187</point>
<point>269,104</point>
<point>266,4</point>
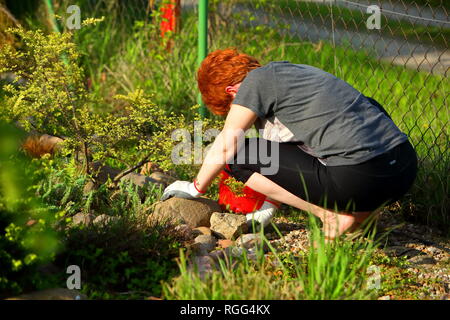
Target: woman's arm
<point>225,146</point>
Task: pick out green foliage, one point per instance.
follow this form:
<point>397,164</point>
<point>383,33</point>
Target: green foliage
<point>236,186</point>
<point>27,235</point>
<point>53,100</point>
<point>428,202</point>
<point>336,270</point>
<point>125,256</point>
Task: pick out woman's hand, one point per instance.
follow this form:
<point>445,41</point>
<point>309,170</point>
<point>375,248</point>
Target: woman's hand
<point>181,189</point>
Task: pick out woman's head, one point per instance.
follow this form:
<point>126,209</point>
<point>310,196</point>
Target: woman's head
<point>219,70</point>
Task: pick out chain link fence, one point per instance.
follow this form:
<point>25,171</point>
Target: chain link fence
<point>395,51</point>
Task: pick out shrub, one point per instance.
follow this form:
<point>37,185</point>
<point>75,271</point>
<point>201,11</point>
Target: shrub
<point>126,258</point>
<point>27,237</point>
<point>49,96</point>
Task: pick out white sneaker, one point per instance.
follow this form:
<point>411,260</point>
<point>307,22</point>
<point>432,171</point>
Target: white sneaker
<point>262,216</point>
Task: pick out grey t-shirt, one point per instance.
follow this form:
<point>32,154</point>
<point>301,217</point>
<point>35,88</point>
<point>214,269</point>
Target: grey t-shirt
<point>326,116</point>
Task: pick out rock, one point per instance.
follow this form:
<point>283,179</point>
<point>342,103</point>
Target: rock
<point>385,298</point>
<point>193,212</point>
<point>52,294</point>
<point>203,244</point>
<point>239,252</point>
<point>250,241</point>
<point>201,230</point>
<point>102,173</point>
<point>433,251</point>
<point>88,187</point>
<point>201,264</point>
<point>184,231</point>
<point>422,260</point>
<point>162,178</point>
<point>82,218</point>
<point>400,251</point>
<point>225,243</point>
<point>104,219</point>
<point>206,239</point>
<point>228,225</point>
<point>217,254</point>
<point>234,251</point>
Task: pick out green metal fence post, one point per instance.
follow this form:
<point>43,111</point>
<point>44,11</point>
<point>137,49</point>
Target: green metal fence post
<point>202,42</point>
<point>51,15</point>
<point>54,23</point>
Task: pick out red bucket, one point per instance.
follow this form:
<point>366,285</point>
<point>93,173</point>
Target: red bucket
<point>247,201</point>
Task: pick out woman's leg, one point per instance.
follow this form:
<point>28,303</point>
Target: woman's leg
<point>334,223</point>
<point>304,183</point>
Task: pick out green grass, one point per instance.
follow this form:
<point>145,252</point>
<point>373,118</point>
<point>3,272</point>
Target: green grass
<point>124,259</point>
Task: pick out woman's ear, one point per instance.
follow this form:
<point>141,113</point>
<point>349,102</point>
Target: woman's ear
<point>232,90</point>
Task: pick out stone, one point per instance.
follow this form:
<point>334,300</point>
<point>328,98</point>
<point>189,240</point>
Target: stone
<point>201,230</point>
<point>88,187</point>
<point>251,241</point>
<point>216,255</point>
<point>102,173</point>
<point>225,243</point>
<point>228,225</point>
<point>400,251</point>
<point>184,231</point>
<point>82,218</point>
<point>238,252</point>
<point>52,294</point>
<point>202,264</point>
<point>206,239</point>
<point>423,260</point>
<point>193,212</point>
<point>104,219</point>
<point>203,244</point>
<point>162,178</point>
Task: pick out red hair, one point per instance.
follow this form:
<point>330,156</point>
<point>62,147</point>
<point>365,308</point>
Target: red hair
<point>220,69</point>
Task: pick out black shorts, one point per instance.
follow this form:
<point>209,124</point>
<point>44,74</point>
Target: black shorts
<point>362,187</point>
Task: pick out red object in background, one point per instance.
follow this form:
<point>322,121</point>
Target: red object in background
<point>170,13</point>
<point>250,202</point>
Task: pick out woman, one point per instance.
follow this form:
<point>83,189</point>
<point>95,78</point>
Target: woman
<point>338,153</point>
